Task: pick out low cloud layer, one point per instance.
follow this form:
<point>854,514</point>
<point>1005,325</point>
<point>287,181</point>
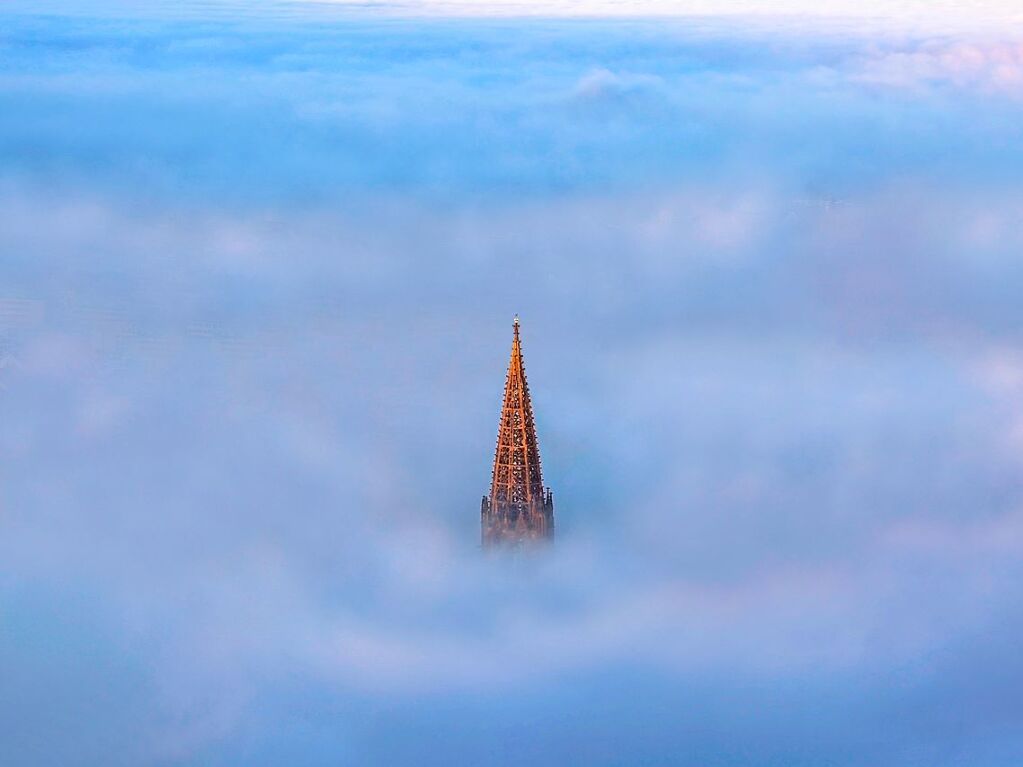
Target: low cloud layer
<point>257,291</point>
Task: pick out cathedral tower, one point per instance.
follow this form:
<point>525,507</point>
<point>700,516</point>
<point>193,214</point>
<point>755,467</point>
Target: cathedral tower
<point>518,508</point>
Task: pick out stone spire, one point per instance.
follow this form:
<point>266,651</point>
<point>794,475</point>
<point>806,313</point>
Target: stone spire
<point>518,508</point>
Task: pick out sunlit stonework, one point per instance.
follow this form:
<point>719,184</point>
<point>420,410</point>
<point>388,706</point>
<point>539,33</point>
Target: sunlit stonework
<point>518,508</point>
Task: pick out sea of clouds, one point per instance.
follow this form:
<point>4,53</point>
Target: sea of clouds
<point>257,275</point>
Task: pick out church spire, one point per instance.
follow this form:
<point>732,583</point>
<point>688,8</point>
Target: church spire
<point>517,508</point>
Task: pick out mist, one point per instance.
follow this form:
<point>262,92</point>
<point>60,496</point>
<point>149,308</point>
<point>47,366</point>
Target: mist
<point>257,279</point>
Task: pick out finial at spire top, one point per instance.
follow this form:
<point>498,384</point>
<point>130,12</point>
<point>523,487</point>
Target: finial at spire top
<point>515,322</point>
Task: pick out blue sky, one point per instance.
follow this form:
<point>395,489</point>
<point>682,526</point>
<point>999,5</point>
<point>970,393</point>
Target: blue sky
<point>257,272</point>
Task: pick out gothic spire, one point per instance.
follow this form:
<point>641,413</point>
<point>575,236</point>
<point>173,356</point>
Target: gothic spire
<point>517,507</point>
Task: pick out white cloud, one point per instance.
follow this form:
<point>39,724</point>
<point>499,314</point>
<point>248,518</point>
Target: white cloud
<point>984,12</point>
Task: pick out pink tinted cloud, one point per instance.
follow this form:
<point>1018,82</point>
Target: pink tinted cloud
<point>983,66</point>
